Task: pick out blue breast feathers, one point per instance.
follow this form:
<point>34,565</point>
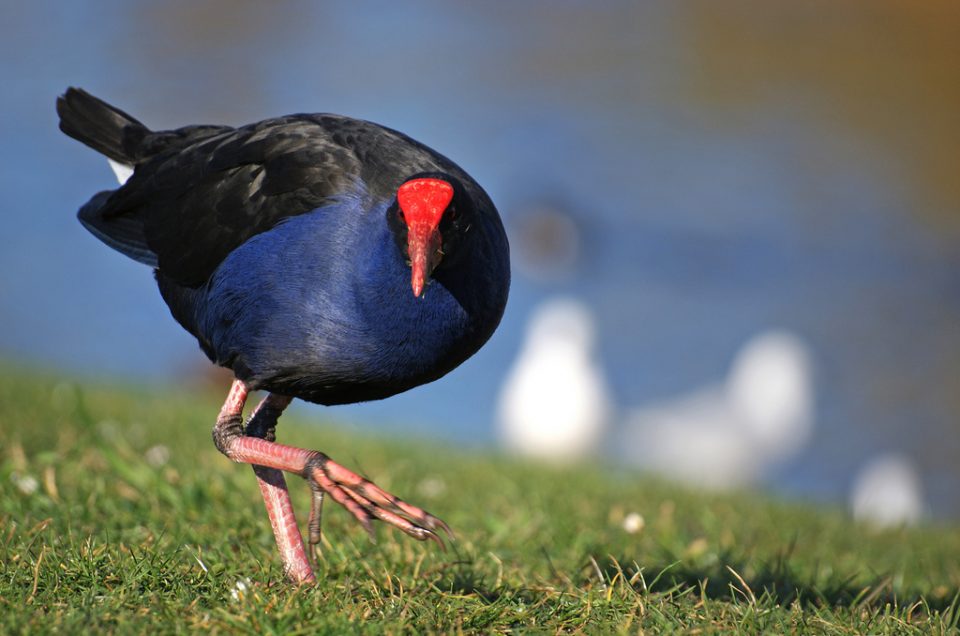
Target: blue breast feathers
<point>320,307</point>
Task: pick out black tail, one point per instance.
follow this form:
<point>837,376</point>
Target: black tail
<point>111,132</point>
<point>124,232</point>
<point>106,129</point>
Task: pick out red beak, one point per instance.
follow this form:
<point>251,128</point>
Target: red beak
<point>423,202</point>
<point>423,247</point>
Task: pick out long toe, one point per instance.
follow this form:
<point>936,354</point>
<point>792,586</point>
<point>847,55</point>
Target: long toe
<point>367,501</point>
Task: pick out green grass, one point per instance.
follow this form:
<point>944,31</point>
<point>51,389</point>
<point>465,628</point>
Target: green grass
<point>110,542</point>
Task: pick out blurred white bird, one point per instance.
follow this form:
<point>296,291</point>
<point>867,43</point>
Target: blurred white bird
<point>554,403</point>
<point>729,434</point>
<point>888,492</point>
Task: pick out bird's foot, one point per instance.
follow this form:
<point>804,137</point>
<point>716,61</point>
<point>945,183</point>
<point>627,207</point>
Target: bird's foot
<point>366,501</point>
<point>253,444</point>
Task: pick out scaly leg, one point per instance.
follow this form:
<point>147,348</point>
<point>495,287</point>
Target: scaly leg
<point>365,500</point>
<point>313,525</point>
<point>263,424</point>
<point>273,486</point>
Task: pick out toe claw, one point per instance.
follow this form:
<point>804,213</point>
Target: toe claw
<point>368,526</point>
<point>366,501</point>
<point>435,538</point>
<point>435,522</point>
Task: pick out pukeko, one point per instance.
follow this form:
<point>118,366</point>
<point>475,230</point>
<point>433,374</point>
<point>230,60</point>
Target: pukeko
<point>316,256</point>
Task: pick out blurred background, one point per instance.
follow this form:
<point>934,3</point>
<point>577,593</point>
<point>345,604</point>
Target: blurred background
<point>735,227</point>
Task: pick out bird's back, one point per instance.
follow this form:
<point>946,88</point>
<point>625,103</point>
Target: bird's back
<point>199,192</point>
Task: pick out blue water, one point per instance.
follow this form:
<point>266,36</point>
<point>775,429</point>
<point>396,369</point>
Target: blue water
<point>696,233</point>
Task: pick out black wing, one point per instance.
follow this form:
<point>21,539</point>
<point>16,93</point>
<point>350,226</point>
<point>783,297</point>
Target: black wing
<point>200,202</point>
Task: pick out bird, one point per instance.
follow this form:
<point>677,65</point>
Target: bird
<point>727,434</point>
<point>888,492</point>
<point>318,257</point>
<point>554,404</point>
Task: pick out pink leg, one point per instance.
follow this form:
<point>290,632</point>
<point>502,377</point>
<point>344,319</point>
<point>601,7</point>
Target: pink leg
<point>272,484</point>
<point>364,499</point>
<point>276,497</point>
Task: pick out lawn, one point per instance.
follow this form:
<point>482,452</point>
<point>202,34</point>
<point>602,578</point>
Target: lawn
<point>117,514</point>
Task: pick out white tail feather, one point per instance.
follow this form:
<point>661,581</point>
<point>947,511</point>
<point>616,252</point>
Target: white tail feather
<point>122,170</point>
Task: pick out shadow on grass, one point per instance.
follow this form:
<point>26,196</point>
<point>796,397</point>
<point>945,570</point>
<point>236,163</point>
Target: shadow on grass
<point>464,578</point>
<point>725,576</point>
<point>778,582</point>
